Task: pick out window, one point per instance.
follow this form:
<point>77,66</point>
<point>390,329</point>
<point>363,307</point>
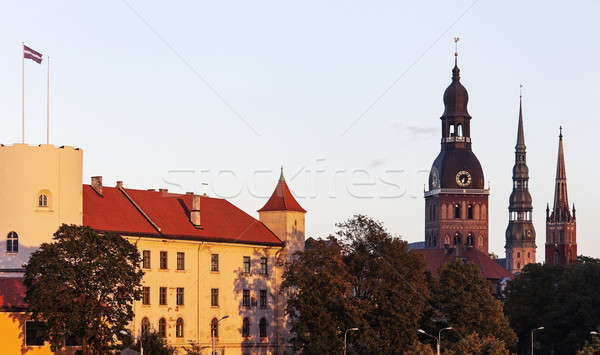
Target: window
<point>163,260</point>
<point>263,299</point>
<point>180,261</point>
<point>12,242</point>
<point>43,200</point>
<point>556,258</point>
<point>246,327</point>
<point>146,259</point>
<point>145,325</point>
<point>518,265</point>
<point>214,297</point>
<point>263,266</point>
<point>146,295</point>
<point>179,328</point>
<point>162,327</point>
<point>518,254</point>
<point>162,296</point>
<point>457,211</point>
<point>470,239</point>
<point>35,333</point>
<point>262,325</point>
<point>528,255</point>
<point>246,298</point>
<point>246,264</point>
<point>214,327</point>
<point>180,296</point>
<point>214,262</point>
<point>470,211</point>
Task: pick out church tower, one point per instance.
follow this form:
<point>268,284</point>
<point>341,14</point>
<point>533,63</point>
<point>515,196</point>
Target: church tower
<point>456,203</point>
<point>561,226</point>
<point>520,234</point>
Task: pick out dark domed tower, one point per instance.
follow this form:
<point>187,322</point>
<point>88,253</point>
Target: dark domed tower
<point>520,234</point>
<point>456,203</point>
<point>561,226</point>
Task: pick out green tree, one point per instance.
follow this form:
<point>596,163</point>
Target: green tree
<point>388,285</point>
<point>318,298</point>
<point>465,299</point>
<point>563,299</point>
<point>366,279</point>
<point>591,347</point>
<point>473,344</point>
<point>83,285</point>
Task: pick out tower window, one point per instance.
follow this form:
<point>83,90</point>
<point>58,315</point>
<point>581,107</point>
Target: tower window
<point>457,211</point>
<point>459,130</point>
<point>452,131</point>
<point>470,211</point>
<point>518,265</point>
<point>457,239</point>
<point>43,200</point>
<point>12,242</point>
<point>518,255</point>
<point>470,239</point>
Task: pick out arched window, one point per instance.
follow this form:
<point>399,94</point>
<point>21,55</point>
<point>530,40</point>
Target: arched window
<point>459,130</point>
<point>262,325</point>
<point>12,242</point>
<point>145,326</point>
<point>470,241</point>
<point>43,200</point>
<point>452,131</point>
<point>246,327</point>
<point>179,328</point>
<point>457,211</point>
<point>518,265</point>
<point>162,327</point>
<point>518,255</point>
<point>470,211</point>
<point>214,327</point>
<point>457,239</point>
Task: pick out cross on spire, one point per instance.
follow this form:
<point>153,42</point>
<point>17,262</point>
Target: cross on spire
<point>456,39</point>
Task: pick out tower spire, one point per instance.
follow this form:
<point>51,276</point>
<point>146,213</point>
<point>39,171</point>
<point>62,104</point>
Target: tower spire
<point>561,199</point>
<point>520,131</point>
<point>281,178</point>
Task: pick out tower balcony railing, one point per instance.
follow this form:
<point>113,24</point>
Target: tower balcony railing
<point>456,139</point>
<point>457,192</point>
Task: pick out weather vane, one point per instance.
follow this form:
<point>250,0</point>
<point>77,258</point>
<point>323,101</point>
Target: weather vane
<point>520,90</point>
<point>456,39</point>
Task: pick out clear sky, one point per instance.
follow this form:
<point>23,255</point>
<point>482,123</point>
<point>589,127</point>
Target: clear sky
<point>345,95</point>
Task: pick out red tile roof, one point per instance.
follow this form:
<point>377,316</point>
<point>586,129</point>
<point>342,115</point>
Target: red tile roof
<point>12,294</point>
<point>282,199</point>
<point>221,221</point>
<point>435,258</point>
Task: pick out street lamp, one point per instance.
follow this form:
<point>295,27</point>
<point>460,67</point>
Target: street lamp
<point>594,333</point>
<point>124,332</point>
<point>438,340</point>
<point>212,332</point>
<point>533,330</point>
<point>345,334</point>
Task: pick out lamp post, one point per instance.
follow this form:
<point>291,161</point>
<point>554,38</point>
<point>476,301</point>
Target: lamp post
<point>533,330</point>
<point>594,333</point>
<point>438,340</point>
<point>345,334</point>
<point>212,332</point>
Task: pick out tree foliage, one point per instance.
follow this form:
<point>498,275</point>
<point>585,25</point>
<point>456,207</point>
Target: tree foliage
<point>83,285</point>
<point>366,279</point>
<point>563,299</point>
<point>591,347</point>
<point>154,344</point>
<point>473,344</point>
<point>464,297</point>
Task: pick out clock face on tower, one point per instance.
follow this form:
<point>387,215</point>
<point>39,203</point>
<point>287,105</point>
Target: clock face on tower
<point>463,178</point>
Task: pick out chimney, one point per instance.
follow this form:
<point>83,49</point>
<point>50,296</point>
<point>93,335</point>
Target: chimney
<point>195,212</point>
<point>97,184</point>
<point>119,185</point>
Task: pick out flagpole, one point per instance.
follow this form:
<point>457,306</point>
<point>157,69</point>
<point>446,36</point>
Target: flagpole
<point>48,105</point>
<point>23,92</point>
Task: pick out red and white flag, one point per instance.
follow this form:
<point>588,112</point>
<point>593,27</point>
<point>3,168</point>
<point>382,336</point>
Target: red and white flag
<point>29,53</point>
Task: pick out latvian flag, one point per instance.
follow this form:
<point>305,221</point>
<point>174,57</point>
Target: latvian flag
<point>29,53</point>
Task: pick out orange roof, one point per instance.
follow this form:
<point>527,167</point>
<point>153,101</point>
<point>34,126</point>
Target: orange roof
<point>166,215</point>
<point>282,199</point>
<point>436,257</point>
<point>12,293</point>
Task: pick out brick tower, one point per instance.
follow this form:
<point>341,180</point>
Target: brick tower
<point>561,226</point>
<point>520,235</point>
<point>456,203</point>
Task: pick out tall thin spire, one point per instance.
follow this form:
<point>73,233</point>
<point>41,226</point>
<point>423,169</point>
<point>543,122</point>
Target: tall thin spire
<point>520,131</point>
<point>455,70</point>
<point>281,178</point>
<point>561,199</point>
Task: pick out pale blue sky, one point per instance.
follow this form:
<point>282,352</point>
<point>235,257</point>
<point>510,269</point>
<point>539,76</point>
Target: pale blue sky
<point>135,84</point>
